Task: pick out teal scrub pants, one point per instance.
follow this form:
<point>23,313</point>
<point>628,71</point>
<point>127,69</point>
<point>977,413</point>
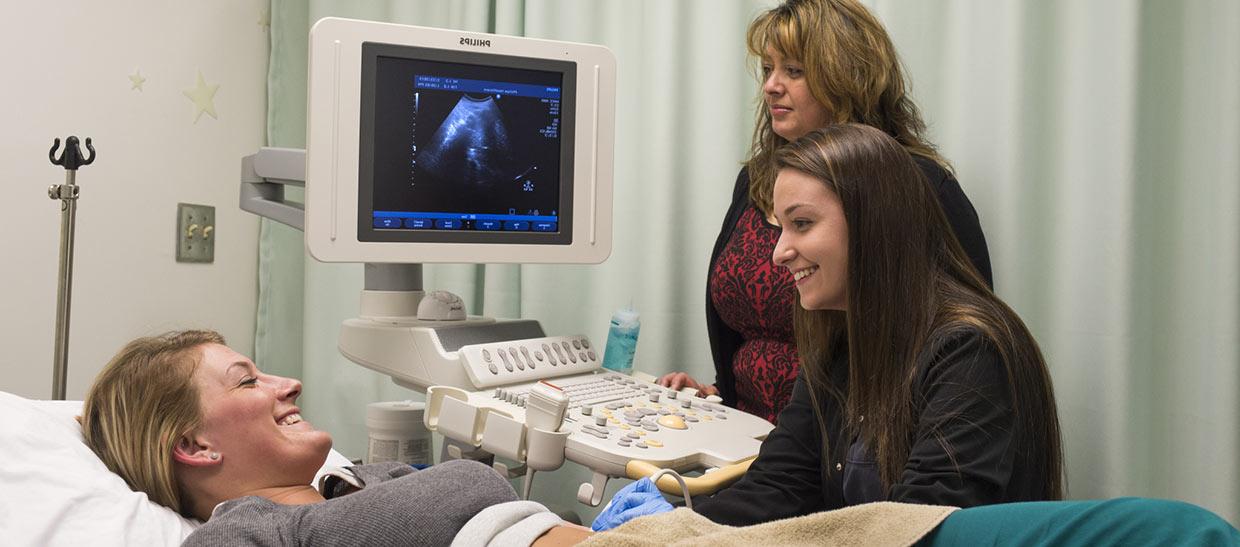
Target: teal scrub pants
<point>1130,522</point>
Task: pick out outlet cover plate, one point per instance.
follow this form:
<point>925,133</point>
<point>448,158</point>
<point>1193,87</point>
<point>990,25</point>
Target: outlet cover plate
<point>195,233</point>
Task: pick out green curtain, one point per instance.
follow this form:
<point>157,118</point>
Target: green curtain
<point>1099,141</point>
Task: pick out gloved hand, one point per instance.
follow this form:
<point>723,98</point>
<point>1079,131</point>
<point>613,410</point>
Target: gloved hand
<point>635,500</point>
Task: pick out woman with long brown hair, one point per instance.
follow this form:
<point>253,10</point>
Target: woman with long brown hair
<point>919,384</point>
<point>822,62</point>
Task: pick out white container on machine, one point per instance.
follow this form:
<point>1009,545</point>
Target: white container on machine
<point>396,433</point>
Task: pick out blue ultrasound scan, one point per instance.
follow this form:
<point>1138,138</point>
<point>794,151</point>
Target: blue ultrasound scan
<point>472,147</point>
<point>463,147</point>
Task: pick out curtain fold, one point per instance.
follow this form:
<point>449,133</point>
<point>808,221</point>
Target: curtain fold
<point>1099,142</point>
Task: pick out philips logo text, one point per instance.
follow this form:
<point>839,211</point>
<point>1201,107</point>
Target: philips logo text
<point>475,42</point>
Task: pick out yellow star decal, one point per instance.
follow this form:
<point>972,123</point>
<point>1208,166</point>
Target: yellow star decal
<point>136,80</point>
<point>203,97</point>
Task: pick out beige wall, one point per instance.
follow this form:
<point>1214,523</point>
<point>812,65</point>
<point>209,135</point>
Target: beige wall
<point>66,67</point>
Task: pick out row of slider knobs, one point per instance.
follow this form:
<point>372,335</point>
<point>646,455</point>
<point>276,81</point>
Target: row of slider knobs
<point>510,397</point>
<point>587,410</point>
<point>654,397</point>
<point>685,403</point>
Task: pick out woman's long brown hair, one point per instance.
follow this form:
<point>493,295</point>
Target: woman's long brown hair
<point>910,287</point>
<point>852,69</point>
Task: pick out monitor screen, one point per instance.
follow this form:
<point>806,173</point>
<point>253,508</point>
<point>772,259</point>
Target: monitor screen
<point>466,147</point>
<point>429,145</point>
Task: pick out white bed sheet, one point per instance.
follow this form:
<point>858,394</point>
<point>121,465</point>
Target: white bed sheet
<point>57,492</point>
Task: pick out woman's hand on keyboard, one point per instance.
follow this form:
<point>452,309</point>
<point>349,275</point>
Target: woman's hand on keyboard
<point>680,380</point>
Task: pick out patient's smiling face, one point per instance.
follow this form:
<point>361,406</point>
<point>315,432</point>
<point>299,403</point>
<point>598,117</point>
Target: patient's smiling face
<point>251,418</point>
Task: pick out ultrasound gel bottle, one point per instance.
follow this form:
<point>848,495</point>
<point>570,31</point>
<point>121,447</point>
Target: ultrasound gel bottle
<point>622,341</point>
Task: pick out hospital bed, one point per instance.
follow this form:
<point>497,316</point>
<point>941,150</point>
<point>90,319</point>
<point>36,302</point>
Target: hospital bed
<point>57,492</point>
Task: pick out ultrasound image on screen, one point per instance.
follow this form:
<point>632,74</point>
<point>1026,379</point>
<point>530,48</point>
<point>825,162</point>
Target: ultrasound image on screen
<point>472,154</point>
<point>466,143</point>
<point>471,146</point>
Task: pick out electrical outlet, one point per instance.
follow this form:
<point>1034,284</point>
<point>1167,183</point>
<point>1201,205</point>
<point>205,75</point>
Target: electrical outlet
<point>195,233</point>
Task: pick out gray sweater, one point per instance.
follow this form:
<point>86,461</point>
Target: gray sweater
<point>397,506</point>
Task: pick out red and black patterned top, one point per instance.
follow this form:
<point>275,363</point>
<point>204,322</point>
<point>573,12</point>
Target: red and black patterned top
<point>755,298</point>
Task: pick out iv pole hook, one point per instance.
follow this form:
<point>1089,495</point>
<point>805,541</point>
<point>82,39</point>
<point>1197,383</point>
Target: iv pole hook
<point>71,159</point>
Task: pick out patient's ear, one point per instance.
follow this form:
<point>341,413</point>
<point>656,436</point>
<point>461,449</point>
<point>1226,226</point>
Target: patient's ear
<point>189,452</point>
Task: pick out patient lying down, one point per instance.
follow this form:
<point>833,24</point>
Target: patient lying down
<point>198,428</point>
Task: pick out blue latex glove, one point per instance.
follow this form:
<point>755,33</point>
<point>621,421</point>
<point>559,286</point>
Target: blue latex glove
<point>635,500</point>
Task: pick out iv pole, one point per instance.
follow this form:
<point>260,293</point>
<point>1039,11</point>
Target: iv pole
<point>67,193</point>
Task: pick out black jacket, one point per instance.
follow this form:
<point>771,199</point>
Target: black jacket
<point>964,449</point>
<point>724,341</point>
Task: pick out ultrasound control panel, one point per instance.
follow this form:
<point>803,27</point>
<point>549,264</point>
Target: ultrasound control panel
<point>612,419</point>
<point>615,418</point>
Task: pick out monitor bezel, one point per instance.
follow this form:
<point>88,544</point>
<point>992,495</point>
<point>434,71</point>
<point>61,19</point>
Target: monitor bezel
<point>333,144</point>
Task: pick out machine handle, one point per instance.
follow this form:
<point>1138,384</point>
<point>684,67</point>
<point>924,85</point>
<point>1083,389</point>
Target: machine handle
<point>708,483</point>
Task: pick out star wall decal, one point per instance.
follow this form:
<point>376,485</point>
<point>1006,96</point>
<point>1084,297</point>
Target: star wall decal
<point>203,97</point>
<point>136,80</point>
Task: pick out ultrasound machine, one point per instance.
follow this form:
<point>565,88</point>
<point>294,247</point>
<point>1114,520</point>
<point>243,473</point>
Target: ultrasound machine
<point>437,146</point>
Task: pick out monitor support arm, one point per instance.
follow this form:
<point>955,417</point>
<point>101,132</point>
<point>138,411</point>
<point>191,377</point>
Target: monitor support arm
<point>391,291</point>
<point>264,176</point>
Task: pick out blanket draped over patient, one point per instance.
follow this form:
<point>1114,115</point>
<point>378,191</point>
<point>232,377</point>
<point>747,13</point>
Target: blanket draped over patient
<point>882,523</point>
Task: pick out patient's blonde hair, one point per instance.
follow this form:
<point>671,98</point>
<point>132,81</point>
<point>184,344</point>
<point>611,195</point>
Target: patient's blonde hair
<point>139,407</point>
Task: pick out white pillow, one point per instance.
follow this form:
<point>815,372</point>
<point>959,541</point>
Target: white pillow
<point>57,492</point>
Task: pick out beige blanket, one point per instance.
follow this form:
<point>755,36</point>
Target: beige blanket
<point>882,523</point>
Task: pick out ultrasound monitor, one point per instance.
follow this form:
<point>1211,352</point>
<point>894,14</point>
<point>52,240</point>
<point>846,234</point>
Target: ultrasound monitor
<point>429,145</point>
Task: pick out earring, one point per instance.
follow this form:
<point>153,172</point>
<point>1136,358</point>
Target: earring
<point>215,455</point>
